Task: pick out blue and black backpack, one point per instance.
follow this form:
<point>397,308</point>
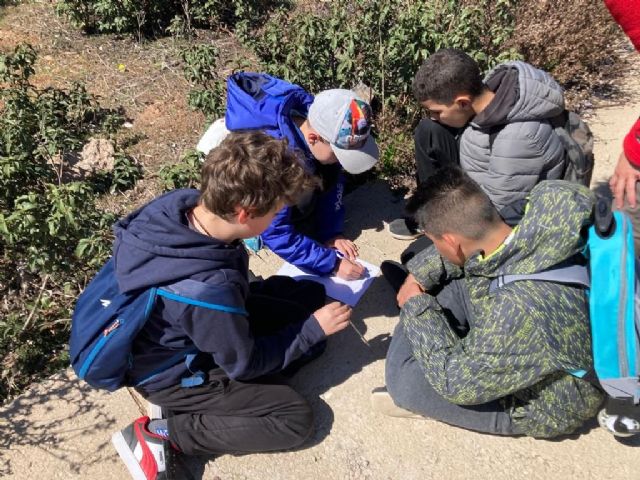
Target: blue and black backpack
<point>106,321</point>
<point>611,276</point>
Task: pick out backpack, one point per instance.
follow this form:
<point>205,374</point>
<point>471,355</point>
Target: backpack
<point>577,139</point>
<point>105,322</point>
<point>612,279</point>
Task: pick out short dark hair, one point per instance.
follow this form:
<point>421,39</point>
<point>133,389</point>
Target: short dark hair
<point>451,202</point>
<point>254,171</point>
<point>446,74</point>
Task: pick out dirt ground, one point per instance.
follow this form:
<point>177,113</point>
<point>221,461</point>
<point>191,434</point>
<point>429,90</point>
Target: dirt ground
<point>61,429</point>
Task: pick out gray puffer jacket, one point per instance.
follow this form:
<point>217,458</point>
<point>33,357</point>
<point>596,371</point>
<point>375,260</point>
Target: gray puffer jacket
<point>510,146</point>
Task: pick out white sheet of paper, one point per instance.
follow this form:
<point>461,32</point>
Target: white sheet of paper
<point>345,291</point>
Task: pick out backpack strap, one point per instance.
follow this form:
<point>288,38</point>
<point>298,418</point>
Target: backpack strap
<point>565,275</point>
<point>560,120</point>
<point>222,298</point>
<point>569,275</point>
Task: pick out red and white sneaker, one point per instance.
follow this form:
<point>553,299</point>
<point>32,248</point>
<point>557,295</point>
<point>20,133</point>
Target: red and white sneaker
<point>142,452</point>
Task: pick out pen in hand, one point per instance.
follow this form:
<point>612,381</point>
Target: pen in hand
<point>349,270</point>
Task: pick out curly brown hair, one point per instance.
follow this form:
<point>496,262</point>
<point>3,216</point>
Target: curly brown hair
<point>254,171</point>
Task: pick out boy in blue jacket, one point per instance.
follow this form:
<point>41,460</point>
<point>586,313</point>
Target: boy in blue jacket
<point>328,132</point>
<point>222,397</point>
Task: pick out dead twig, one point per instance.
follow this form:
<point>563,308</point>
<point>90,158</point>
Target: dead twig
<point>27,324</point>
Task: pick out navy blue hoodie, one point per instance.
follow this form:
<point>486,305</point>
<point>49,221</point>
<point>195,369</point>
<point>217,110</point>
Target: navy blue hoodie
<point>155,246</point>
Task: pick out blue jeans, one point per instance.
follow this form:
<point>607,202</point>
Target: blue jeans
<point>409,388</point>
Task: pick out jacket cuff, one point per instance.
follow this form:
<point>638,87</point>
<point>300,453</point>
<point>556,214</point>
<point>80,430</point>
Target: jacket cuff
<point>632,145</point>
<point>424,265</point>
<point>312,331</point>
<point>418,304</point>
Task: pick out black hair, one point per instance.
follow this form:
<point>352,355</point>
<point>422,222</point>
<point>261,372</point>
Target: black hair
<point>451,202</point>
<point>446,74</point>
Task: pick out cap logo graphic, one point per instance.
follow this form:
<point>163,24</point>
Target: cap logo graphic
<point>356,126</point>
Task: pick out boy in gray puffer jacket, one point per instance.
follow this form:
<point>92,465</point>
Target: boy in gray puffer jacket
<point>498,130</point>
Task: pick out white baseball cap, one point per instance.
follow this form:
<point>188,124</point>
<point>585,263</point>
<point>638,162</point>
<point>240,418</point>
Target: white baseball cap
<point>344,120</point>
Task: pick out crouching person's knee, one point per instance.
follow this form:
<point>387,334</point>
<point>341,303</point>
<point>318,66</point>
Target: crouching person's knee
<point>297,423</point>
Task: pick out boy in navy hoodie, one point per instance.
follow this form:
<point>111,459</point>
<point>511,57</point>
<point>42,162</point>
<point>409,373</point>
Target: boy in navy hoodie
<point>329,132</point>
<point>222,398</point>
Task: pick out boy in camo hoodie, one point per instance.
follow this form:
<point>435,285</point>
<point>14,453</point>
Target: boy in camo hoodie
<point>494,362</point>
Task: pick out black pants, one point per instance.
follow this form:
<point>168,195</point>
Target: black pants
<point>436,147</point>
<point>228,416</point>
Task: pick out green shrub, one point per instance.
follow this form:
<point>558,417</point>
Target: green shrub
<point>150,18</point>
<point>208,90</point>
<point>52,234</point>
<point>185,174</point>
<point>379,42</point>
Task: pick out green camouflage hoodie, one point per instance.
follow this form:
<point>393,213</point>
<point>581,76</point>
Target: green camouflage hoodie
<point>524,337</point>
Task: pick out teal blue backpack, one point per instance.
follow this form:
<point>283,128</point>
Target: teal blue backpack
<point>611,278</point>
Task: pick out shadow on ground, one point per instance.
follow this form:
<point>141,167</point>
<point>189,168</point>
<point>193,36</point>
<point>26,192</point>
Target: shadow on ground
<point>19,426</point>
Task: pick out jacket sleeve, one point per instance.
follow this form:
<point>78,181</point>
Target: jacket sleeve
<point>296,248</point>
<point>330,211</point>
<point>632,145</point>
<point>430,269</point>
<point>627,14</point>
<point>483,366</point>
<point>227,337</point>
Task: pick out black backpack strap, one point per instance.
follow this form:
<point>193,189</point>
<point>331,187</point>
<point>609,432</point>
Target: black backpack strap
<point>560,120</point>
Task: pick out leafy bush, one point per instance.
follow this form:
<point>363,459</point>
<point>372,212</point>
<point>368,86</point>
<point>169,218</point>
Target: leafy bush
<point>149,18</point>
<point>571,40</point>
<point>208,92</point>
<point>51,232</point>
<point>379,42</point>
<point>185,174</point>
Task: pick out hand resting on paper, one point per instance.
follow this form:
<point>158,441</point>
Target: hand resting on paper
<point>348,270</point>
<point>333,317</point>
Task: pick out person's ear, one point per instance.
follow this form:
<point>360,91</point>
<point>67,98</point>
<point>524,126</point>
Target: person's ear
<point>451,240</point>
<point>242,215</point>
<point>454,243</point>
<point>313,137</point>
<point>464,101</point>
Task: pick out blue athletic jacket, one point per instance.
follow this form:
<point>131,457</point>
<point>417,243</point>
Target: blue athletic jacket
<point>260,101</point>
<point>155,246</point>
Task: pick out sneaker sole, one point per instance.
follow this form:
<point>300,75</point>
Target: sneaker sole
<point>154,411</point>
<point>127,456</point>
<point>603,420</point>
<point>404,236</point>
<point>382,402</point>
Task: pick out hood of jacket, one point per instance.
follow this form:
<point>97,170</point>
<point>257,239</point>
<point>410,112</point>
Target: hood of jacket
<point>257,101</point>
<point>522,93</point>
<point>552,230</point>
<point>155,246</point>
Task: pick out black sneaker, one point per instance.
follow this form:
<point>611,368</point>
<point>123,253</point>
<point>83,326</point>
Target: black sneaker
<point>405,229</point>
<point>143,452</point>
